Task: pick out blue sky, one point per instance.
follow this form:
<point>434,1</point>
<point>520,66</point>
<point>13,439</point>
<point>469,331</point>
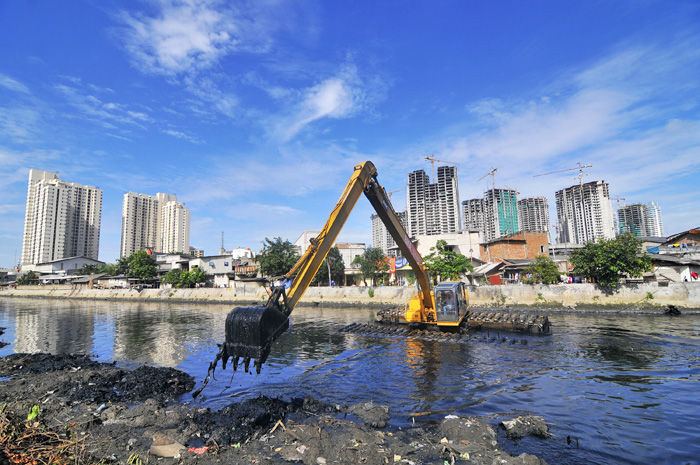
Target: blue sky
<point>254,113</point>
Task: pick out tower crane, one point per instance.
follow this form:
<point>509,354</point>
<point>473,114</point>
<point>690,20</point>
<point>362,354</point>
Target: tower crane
<point>580,168</point>
<point>395,190</point>
<point>618,201</point>
<point>492,173</point>
<point>432,164</point>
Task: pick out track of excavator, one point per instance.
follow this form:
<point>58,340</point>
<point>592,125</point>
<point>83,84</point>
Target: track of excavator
<point>479,326</point>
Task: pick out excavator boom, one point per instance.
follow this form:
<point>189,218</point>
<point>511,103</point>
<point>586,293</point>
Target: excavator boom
<point>250,331</point>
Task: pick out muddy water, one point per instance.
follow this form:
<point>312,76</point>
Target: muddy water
<point>614,388</point>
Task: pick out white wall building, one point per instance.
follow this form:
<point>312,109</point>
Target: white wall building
<point>304,241</point>
<point>62,219</point>
<point>464,243</point>
<point>157,222</point>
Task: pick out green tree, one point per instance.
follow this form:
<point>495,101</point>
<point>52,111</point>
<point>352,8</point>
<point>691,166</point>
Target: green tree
<point>277,257</point>
<point>609,260</point>
<point>173,277</point>
<point>89,269</point>
<point>110,269</point>
<point>195,276</point>
<point>542,270</point>
<point>142,265</point>
<point>446,264</point>
<point>122,266</point>
<point>184,278</point>
<point>28,278</point>
<point>337,268</point>
<point>373,264</point>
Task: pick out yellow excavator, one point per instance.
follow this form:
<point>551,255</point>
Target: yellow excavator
<point>250,331</point>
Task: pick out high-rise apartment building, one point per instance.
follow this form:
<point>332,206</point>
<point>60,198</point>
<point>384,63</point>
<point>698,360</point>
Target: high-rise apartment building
<point>584,213</point>
<point>655,225</point>
<point>641,219</point>
<point>432,208</point>
<point>381,239</point>
<point>62,219</point>
<point>533,214</point>
<point>500,213</point>
<point>473,214</point>
<point>159,222</point>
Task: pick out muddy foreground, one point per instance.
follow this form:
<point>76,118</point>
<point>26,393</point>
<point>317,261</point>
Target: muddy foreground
<point>90,412</point>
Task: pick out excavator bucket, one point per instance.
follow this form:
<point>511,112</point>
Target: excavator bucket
<point>250,332</point>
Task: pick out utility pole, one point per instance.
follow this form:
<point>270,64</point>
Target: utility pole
<point>328,262</point>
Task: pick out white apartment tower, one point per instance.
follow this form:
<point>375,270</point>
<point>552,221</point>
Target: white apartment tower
<point>655,225</point>
<point>159,222</point>
<point>62,219</point>
<point>533,214</point>
<point>432,208</point>
<point>584,213</point>
<point>381,239</point>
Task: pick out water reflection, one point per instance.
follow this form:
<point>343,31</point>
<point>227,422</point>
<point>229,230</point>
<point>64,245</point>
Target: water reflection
<point>617,383</point>
<point>56,331</point>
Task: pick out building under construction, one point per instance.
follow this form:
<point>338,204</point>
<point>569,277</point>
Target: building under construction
<point>473,214</point>
<point>584,213</point>
<point>495,215</point>
<point>432,208</point>
<point>641,220</point>
<point>533,214</point>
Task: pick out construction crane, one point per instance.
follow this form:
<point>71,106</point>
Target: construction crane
<point>618,201</point>
<point>492,173</point>
<point>395,190</point>
<point>580,168</point>
<point>432,164</point>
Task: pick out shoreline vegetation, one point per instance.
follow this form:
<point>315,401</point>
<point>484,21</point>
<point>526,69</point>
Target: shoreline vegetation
<point>641,297</point>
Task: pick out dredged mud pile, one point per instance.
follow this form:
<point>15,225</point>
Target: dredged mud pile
<point>76,409</point>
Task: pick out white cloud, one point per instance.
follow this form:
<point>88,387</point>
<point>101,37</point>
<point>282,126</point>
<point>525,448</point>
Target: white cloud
<point>187,36</point>
<point>13,85</point>
<point>341,96</point>
<point>106,113</point>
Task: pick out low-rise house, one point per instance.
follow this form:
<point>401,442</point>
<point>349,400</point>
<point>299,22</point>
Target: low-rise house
<point>521,245</point>
<point>69,266</point>
<point>675,269</point>
<point>88,281</point>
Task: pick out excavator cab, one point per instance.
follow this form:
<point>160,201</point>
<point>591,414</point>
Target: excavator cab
<point>451,303</point>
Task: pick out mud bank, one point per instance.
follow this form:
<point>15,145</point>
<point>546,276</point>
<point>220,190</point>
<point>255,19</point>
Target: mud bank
<point>643,297</point>
<point>72,408</point>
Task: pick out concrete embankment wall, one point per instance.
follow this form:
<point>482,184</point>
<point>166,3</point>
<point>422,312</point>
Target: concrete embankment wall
<point>562,296</point>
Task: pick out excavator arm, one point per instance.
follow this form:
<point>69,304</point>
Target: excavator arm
<point>250,331</point>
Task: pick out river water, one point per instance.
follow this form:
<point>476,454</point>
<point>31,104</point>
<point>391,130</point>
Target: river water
<point>614,388</point>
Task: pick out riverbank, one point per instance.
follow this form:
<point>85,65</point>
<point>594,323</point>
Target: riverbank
<point>90,412</point>
<point>643,297</point>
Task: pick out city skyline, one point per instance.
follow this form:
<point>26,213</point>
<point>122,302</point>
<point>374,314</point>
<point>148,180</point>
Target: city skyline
<point>255,114</point>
